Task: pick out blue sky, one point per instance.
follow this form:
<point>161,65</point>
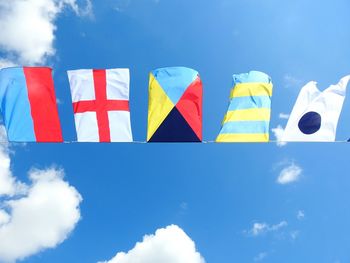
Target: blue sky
<point>226,197</point>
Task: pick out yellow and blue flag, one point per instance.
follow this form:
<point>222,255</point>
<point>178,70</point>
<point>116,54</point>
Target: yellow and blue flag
<point>248,115</point>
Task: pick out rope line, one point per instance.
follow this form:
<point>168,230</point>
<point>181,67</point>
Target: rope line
<point>145,142</point>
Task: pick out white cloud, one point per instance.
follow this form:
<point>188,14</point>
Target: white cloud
<point>300,215</point>
<point>5,63</point>
<point>258,228</point>
<point>28,28</point>
<point>294,234</point>
<point>289,174</point>
<point>8,184</point>
<point>170,245</point>
<point>37,216</point>
<point>278,226</point>
<point>284,116</point>
<point>260,256</point>
<point>184,206</point>
<point>121,5</point>
<point>278,132</point>
<point>4,217</point>
<point>291,81</point>
<point>262,228</point>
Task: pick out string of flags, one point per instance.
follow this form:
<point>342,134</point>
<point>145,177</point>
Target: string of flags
<point>100,101</point>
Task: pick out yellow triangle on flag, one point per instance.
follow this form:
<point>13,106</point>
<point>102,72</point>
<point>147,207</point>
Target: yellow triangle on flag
<point>159,106</point>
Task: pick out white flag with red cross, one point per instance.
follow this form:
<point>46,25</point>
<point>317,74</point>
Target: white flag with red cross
<point>101,104</point>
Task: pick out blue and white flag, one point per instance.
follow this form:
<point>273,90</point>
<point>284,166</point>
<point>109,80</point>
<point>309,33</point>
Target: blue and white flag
<point>315,114</point>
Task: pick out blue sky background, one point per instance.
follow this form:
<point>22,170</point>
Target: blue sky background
<point>214,192</point>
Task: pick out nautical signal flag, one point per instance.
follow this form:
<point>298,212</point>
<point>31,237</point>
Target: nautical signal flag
<point>28,105</point>
<point>101,104</point>
<point>248,115</point>
<point>315,114</point>
<point>175,105</point>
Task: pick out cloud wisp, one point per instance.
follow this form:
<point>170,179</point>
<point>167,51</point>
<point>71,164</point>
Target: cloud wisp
<point>289,174</point>
<point>278,132</point>
<point>291,81</point>
<point>300,215</point>
<point>284,116</point>
<point>263,228</point>
<point>261,256</point>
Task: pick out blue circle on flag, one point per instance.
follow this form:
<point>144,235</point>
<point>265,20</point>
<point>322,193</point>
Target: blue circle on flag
<point>310,122</point>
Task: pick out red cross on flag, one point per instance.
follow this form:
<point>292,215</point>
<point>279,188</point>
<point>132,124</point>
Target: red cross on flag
<point>101,104</point>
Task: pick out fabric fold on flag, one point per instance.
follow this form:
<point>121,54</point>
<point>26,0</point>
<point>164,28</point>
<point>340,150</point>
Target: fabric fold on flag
<point>101,104</point>
<point>28,105</point>
<point>249,111</point>
<point>315,114</point>
<point>175,105</point>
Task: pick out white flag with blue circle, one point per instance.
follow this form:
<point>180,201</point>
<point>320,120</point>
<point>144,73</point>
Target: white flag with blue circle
<point>315,114</point>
